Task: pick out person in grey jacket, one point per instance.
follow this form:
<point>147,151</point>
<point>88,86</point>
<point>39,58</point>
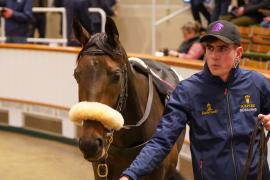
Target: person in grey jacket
<point>222,104</point>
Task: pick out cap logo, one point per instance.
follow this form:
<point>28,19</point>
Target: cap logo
<point>217,27</point>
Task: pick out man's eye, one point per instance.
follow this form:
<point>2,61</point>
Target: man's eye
<point>209,48</point>
<point>222,49</point>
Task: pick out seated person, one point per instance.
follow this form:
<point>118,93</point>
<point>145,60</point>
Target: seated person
<point>266,22</point>
<point>247,12</point>
<point>18,15</point>
<point>191,48</point>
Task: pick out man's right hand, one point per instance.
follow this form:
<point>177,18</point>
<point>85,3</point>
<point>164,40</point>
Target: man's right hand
<point>7,13</point>
<point>124,178</point>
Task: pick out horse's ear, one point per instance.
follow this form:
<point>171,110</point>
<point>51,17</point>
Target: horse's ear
<point>112,32</point>
<point>79,32</point>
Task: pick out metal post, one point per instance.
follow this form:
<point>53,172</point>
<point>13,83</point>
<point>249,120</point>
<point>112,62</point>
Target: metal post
<point>153,26</point>
<point>64,24</point>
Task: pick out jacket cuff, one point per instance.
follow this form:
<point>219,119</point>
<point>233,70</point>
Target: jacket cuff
<point>129,174</point>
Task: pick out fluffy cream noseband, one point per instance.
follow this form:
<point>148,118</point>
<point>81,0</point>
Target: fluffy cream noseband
<point>109,117</point>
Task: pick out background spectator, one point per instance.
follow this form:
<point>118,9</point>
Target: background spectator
<point>18,15</point>
<point>40,20</point>
<point>107,6</point>
<point>197,7</point>
<point>247,12</point>
<point>79,9</point>
<point>191,48</point>
<point>266,22</point>
<point>220,9</point>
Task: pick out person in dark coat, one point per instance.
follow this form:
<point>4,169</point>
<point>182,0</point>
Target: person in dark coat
<point>247,12</point>
<point>197,7</point>
<point>220,9</point>
<point>96,18</point>
<point>18,15</point>
<point>40,20</point>
<point>222,104</point>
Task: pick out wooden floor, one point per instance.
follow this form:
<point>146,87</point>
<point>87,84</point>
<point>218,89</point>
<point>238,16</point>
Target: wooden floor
<point>29,158</point>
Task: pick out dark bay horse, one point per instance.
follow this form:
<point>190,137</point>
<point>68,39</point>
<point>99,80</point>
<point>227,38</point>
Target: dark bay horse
<point>104,75</point>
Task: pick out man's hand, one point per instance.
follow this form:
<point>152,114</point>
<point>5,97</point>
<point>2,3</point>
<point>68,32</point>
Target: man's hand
<point>173,53</point>
<point>240,11</point>
<point>7,13</point>
<point>265,120</point>
<point>124,178</point>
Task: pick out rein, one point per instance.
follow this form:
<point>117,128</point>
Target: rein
<point>262,148</point>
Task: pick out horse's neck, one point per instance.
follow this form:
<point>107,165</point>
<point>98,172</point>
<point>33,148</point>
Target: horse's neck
<point>135,108</point>
<point>137,97</point>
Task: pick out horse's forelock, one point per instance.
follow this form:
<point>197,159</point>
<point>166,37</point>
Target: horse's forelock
<point>99,41</point>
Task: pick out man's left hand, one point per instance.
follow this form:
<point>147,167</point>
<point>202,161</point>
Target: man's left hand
<point>265,120</point>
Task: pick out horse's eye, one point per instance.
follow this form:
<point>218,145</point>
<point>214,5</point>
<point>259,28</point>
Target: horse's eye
<point>116,76</point>
<point>76,74</point>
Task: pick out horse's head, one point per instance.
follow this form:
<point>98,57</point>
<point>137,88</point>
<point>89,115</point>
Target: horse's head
<point>101,74</point>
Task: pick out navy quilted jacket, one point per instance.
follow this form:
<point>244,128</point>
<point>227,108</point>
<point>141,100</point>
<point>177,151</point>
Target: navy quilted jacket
<point>221,117</point>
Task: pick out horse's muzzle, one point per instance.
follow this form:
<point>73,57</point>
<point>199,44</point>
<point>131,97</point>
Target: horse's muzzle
<point>92,149</point>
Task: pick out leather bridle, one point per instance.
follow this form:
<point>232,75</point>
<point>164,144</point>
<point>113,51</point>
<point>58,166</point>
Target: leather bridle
<point>102,169</point>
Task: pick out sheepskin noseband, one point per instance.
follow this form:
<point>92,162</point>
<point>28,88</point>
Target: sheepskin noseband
<point>109,117</point>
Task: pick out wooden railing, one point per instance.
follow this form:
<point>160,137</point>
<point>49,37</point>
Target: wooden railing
<point>190,63</point>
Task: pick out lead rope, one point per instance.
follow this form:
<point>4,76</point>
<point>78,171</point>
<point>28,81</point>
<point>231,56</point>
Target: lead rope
<point>263,143</point>
<point>102,169</point>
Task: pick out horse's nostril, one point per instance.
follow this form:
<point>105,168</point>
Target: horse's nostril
<point>99,142</point>
<point>80,143</point>
<point>90,146</point>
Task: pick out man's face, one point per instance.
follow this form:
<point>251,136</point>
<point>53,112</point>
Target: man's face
<point>220,58</point>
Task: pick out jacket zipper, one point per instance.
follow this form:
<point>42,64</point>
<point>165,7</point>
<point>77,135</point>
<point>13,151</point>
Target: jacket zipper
<point>231,130</point>
<point>201,169</point>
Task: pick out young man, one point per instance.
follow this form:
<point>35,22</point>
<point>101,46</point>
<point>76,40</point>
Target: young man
<point>222,105</point>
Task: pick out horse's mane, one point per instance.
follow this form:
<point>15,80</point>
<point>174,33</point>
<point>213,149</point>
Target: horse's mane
<point>99,41</point>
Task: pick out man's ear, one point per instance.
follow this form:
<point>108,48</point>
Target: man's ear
<point>239,52</point>
<point>112,32</point>
<point>80,33</point>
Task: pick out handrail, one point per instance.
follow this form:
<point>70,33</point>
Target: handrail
<point>164,19</point>
<point>190,63</point>
<point>103,16</point>
<point>62,40</point>
<point>62,10</point>
<point>35,103</point>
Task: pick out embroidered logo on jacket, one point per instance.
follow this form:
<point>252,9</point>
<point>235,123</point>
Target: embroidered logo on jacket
<point>209,110</point>
<point>248,106</point>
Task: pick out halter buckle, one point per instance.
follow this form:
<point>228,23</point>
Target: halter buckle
<point>102,170</point>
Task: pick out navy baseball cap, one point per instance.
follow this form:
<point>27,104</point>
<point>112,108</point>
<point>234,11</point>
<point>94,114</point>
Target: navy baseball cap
<point>223,30</point>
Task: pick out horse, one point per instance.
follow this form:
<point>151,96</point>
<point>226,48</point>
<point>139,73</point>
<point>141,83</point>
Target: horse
<point>104,75</point>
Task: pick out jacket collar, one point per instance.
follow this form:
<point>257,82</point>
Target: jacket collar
<point>232,76</point>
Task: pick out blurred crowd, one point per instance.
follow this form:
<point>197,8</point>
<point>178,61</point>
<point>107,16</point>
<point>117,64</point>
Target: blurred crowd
<point>21,22</point>
<point>245,13</point>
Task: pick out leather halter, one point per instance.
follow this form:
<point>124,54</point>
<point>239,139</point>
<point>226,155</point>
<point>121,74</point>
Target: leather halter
<point>102,170</point>
<point>121,102</point>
